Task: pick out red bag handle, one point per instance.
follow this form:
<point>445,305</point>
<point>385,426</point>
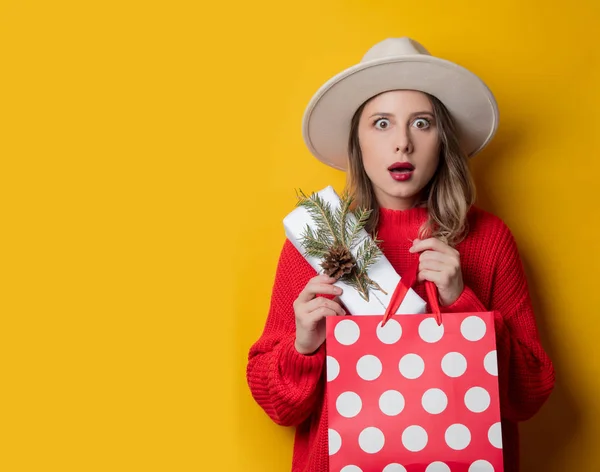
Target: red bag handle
<point>402,289</point>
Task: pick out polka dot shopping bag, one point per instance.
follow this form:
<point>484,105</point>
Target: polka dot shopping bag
<point>413,393</point>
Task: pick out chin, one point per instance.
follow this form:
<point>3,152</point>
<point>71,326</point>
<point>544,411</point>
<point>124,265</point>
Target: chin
<point>403,192</point>
<point>400,190</point>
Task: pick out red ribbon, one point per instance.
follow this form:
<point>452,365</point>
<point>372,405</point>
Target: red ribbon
<point>402,289</point>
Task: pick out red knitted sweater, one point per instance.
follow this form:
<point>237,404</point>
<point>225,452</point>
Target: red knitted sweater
<point>289,386</point>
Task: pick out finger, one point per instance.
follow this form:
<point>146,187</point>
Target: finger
<point>430,276</point>
<point>432,244</point>
<point>431,255</point>
<point>314,288</point>
<point>323,289</point>
<point>320,302</point>
<point>322,278</point>
<point>317,315</point>
<point>433,259</point>
<point>440,279</point>
<point>433,265</point>
<point>340,303</point>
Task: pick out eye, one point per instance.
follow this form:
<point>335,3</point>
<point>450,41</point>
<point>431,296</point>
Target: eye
<point>422,123</point>
<point>382,123</point>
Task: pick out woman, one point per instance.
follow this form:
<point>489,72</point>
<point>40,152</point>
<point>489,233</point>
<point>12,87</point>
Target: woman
<point>403,124</point>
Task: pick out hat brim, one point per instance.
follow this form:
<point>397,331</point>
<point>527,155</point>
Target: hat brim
<point>327,118</point>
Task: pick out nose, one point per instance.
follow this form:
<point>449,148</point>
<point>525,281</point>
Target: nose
<point>403,142</point>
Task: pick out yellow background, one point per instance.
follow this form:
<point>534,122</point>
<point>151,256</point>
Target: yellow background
<point>149,151</point>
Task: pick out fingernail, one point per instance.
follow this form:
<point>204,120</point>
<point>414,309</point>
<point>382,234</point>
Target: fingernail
<point>338,290</point>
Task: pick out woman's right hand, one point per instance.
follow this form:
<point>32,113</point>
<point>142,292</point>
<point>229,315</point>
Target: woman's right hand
<point>310,312</point>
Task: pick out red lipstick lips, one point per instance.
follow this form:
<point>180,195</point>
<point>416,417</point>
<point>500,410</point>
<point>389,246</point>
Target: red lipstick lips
<point>401,171</point>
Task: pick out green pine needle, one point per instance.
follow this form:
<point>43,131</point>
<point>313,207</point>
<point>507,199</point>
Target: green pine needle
<point>361,217</point>
<point>322,215</point>
<point>360,284</point>
<point>367,253</point>
<point>342,217</point>
<point>314,245</point>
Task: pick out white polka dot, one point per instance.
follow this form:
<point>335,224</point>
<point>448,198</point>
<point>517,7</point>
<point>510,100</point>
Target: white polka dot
<point>346,332</point>
<point>351,468</point>
<point>333,368</point>
<point>458,437</point>
<point>430,331</point>
<point>437,467</point>
<point>454,364</point>
<point>412,366</point>
<point>434,401</point>
<point>393,468</point>
<point>371,440</point>
<point>495,435</point>
<point>348,404</point>
<point>414,438</point>
<point>369,367</point>
<point>335,442</point>
<point>477,399</point>
<point>473,328</point>
<point>390,333</point>
<point>391,403</point>
<point>481,466</point>
<point>490,362</point>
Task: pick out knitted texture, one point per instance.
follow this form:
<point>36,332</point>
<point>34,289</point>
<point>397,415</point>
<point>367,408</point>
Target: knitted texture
<point>289,386</point>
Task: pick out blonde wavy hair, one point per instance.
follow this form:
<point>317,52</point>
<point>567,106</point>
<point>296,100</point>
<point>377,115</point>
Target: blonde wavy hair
<point>449,194</point>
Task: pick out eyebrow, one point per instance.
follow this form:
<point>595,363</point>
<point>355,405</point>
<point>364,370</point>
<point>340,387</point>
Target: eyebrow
<point>386,115</point>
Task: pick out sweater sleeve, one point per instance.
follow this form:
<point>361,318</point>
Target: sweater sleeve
<point>465,303</point>
<point>525,372</point>
<point>285,383</point>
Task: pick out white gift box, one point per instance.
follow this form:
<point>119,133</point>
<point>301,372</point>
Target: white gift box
<point>382,272</point>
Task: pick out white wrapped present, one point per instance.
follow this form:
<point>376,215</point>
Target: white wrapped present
<point>382,272</point>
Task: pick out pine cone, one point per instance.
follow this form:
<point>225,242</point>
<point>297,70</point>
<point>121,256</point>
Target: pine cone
<point>338,262</point>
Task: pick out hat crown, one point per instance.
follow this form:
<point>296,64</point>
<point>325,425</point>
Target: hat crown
<point>393,47</point>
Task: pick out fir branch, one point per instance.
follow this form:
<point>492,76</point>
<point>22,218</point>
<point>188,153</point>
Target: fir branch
<point>342,214</point>
<point>361,217</point>
<point>322,214</point>
<point>314,246</point>
<point>357,282</point>
<point>371,283</point>
<point>325,236</point>
<point>367,254</point>
<point>371,254</point>
<point>376,240</point>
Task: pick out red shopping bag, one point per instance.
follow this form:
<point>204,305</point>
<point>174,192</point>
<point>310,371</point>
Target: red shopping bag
<point>416,393</point>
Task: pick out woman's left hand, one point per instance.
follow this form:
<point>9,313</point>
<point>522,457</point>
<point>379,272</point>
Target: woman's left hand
<point>440,264</point>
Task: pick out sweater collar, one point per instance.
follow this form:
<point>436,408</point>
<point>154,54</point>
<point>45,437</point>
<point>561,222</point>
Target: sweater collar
<point>411,217</point>
<point>395,224</point>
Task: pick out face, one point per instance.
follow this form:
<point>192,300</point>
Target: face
<point>399,143</point>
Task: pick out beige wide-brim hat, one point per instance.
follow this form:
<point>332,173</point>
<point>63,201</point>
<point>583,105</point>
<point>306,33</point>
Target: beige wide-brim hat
<point>397,64</point>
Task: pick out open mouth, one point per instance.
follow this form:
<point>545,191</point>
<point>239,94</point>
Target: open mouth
<point>401,171</point>
<point>401,167</point>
